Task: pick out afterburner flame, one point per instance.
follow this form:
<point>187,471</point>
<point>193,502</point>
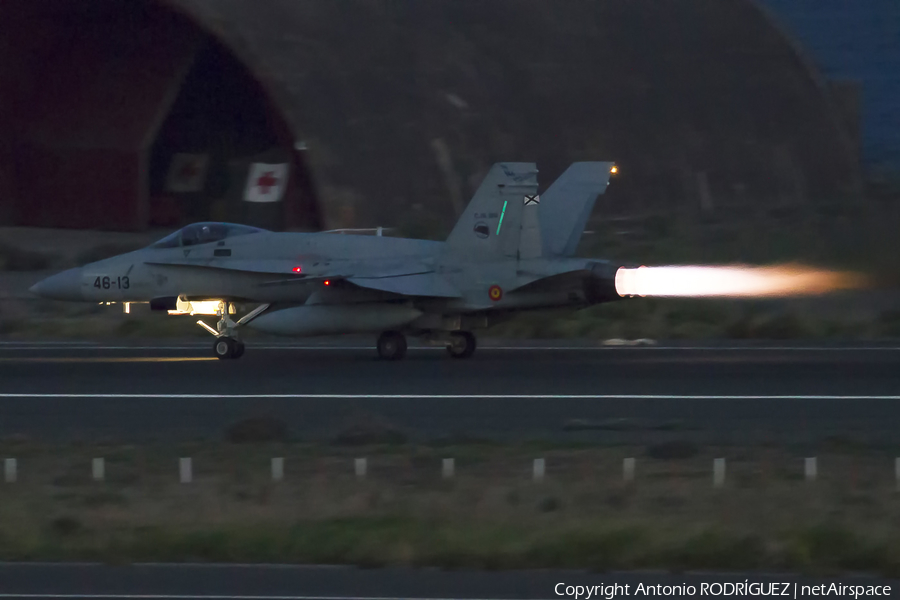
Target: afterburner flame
<point>733,281</point>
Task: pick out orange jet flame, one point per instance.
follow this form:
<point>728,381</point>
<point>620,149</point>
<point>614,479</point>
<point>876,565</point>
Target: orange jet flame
<point>734,281</point>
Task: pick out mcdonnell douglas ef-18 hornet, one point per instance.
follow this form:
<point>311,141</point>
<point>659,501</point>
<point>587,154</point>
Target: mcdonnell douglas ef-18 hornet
<point>511,251</point>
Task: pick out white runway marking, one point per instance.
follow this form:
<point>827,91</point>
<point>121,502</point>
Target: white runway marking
<point>127,396</point>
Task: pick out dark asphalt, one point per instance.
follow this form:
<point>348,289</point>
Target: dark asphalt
<point>172,582</point>
<point>718,395</point>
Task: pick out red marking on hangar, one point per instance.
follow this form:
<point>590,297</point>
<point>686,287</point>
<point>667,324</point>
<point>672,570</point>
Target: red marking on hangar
<point>266,182</point>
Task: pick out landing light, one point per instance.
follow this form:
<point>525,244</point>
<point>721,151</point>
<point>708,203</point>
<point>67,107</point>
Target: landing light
<point>199,307</point>
<point>327,282</point>
<point>614,169</point>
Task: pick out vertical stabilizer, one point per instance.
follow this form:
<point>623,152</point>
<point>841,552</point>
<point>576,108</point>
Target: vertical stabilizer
<point>490,227</point>
<point>567,204</point>
<point>530,242</point>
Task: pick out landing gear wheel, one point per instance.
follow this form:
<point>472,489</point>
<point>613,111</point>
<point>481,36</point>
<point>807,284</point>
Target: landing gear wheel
<point>392,345</point>
<point>225,348</point>
<point>462,344</point>
<point>238,350</point>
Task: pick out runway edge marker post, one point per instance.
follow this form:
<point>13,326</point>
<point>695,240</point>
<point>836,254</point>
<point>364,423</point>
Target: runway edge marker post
<point>810,469</point>
<point>718,472</point>
<point>98,469</point>
<point>628,465</point>
<point>184,470</point>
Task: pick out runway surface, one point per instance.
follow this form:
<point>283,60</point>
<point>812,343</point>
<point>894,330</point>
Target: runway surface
<point>284,582</point>
<point>634,394</point>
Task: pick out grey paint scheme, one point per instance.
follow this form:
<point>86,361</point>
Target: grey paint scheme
<point>507,238</point>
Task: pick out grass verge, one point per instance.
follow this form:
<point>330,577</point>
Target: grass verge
<point>490,515</point>
<point>597,545</point>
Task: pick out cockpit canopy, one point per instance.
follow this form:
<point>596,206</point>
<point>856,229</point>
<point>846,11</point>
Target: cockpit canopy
<point>204,233</point>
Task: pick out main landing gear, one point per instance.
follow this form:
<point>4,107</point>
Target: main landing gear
<point>461,344</point>
<point>392,344</point>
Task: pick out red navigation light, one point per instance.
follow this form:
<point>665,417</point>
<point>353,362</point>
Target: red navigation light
<point>298,269</point>
<point>327,282</point>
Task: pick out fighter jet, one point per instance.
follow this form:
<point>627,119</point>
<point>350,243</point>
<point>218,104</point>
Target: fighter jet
<point>511,251</point>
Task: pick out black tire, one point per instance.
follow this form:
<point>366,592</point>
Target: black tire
<point>224,348</point>
<point>391,345</point>
<point>462,344</point>
<point>238,350</point>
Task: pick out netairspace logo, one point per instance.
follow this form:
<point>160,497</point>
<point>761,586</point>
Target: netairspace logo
<point>742,589</point>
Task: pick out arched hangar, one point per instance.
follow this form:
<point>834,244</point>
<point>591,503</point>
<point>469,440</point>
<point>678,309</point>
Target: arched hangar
<point>128,115</point>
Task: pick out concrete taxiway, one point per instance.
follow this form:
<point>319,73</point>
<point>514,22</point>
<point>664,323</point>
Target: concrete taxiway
<point>729,394</point>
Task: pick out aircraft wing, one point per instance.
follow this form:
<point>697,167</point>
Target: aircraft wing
<point>417,284</point>
<point>426,284</point>
<point>406,280</point>
<point>272,266</point>
<point>285,268</point>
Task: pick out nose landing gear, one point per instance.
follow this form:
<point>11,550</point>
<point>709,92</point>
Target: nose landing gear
<point>227,344</point>
<point>225,348</point>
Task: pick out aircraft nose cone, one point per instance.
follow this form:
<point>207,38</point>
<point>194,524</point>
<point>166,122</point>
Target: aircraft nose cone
<point>62,286</point>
